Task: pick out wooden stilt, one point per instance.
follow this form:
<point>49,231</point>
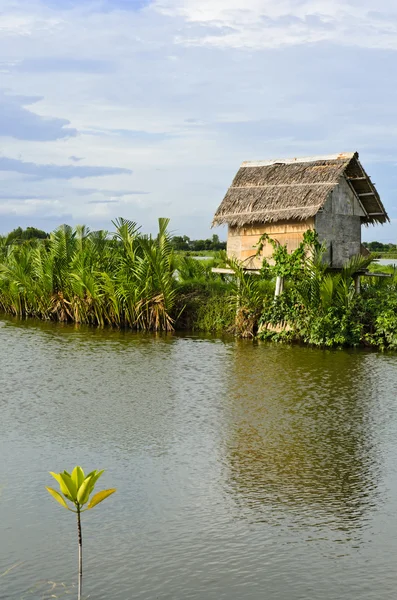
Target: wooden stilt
<point>279,286</point>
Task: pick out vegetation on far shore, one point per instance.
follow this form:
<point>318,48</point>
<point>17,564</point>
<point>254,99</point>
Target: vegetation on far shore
<point>380,250</point>
<point>180,243</point>
<point>379,247</point>
<point>128,279</point>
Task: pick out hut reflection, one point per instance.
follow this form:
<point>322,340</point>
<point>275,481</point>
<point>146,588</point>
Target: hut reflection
<point>299,435</point>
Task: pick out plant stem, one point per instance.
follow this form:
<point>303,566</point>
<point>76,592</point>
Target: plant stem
<point>80,554</point>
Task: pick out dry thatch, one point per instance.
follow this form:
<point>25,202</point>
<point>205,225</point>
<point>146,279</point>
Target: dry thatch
<point>295,189</point>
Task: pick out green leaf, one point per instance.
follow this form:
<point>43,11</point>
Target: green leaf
<point>78,477</point>
<point>96,475</point>
<point>70,485</point>
<point>64,488</point>
<point>84,491</point>
<point>100,496</point>
<point>58,497</point>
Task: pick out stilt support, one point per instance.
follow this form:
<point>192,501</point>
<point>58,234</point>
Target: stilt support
<point>279,286</point>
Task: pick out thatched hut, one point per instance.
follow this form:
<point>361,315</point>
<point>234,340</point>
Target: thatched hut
<point>331,194</point>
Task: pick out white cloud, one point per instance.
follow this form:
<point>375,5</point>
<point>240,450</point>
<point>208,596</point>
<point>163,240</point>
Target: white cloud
<point>22,24</point>
<point>261,24</point>
<point>29,207</point>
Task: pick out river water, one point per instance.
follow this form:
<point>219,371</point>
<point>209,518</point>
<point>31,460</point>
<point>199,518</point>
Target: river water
<point>243,471</point>
<point>386,262</point>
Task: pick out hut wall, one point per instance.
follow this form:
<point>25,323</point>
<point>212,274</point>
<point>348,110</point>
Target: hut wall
<point>242,241</point>
<point>338,225</point>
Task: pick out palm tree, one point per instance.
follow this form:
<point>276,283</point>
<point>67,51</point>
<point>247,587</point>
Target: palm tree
<point>121,279</point>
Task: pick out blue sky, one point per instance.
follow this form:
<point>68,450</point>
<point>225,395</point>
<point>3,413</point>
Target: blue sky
<point>146,108</point>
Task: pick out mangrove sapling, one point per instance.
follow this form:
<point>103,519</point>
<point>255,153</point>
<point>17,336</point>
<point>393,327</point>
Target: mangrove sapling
<point>76,488</point>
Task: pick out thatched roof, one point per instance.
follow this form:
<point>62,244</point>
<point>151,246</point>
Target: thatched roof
<point>291,189</point>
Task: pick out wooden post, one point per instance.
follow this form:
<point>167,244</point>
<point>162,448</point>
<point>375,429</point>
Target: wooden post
<point>357,284</point>
<point>279,286</point>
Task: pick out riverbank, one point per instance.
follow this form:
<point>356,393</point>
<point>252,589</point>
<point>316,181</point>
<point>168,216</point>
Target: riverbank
<point>132,281</point>
<point>386,255</point>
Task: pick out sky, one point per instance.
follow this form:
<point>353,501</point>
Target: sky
<point>146,108</point>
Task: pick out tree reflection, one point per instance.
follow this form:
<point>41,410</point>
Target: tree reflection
<point>299,436</point>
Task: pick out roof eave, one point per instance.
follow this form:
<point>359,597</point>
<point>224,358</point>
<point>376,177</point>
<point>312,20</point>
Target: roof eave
<point>368,196</point>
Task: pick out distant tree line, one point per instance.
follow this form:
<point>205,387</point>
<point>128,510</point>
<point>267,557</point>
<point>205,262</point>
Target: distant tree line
<point>178,242</point>
<point>20,235</point>
<point>380,247</point>
<point>183,242</point>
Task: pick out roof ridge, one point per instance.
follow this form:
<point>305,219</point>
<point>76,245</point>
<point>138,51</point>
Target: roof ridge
<point>299,160</point>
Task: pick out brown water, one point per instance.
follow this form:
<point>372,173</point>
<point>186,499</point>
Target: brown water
<point>244,471</point>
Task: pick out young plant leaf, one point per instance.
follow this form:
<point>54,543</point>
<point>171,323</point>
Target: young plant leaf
<point>96,475</point>
<point>84,491</point>
<point>68,481</point>
<point>78,476</point>
<point>64,488</point>
<point>99,497</point>
<point>58,497</point>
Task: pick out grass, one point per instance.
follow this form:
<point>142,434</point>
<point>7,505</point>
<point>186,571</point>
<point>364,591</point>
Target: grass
<point>392,255</point>
<point>216,314</point>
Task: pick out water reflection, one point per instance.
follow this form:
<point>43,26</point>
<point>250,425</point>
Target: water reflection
<point>299,439</point>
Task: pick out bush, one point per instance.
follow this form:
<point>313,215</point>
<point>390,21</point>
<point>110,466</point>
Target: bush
<point>204,306</point>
